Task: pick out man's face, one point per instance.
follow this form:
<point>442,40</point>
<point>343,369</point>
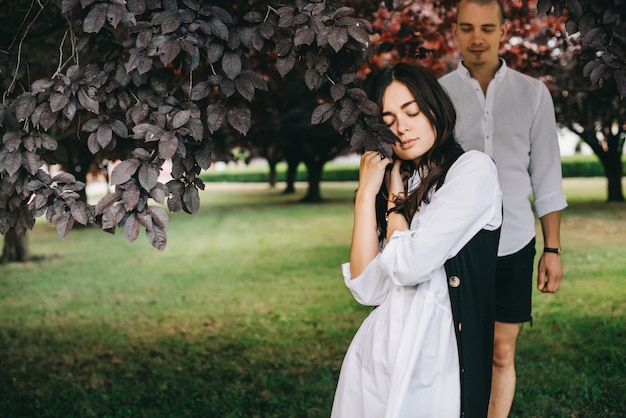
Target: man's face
<point>479,31</point>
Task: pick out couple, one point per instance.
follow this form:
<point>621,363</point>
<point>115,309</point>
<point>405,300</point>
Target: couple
<point>430,257</point>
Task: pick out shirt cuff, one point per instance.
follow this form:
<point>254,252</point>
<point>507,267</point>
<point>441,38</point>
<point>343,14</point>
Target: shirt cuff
<point>551,203</point>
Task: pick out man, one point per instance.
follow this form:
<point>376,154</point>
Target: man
<point>510,116</point>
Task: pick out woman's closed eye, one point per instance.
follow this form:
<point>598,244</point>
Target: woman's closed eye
<point>390,121</point>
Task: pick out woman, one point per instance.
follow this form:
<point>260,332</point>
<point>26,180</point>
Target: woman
<point>404,359</point>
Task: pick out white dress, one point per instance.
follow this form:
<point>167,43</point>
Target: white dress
<point>403,360</point>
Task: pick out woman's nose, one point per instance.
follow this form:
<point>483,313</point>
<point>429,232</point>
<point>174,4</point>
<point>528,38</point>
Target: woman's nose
<point>403,126</point>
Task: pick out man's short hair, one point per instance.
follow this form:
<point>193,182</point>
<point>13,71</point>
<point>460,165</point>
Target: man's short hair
<point>486,2</point>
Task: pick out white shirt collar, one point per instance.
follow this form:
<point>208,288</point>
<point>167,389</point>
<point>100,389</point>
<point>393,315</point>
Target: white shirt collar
<point>466,76</point>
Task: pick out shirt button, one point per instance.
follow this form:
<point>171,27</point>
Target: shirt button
<point>454,281</point>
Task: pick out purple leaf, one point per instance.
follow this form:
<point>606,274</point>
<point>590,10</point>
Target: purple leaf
<point>313,79</point>
<point>266,30</point>
<point>12,162</point>
<point>31,162</point>
<point>200,91</point>
<point>159,216</point>
<point>64,224</point>
<point>175,202</point>
<point>204,156</point>
<point>115,13</point>
<point>245,87</point>
<point>112,216</point>
<point>95,18</point>
<point>168,145</point>
<point>214,51</point>
<point>147,131</point>
<point>136,7</point>
<point>43,116</point>
<point>64,178</point>
<point>169,51</point>
<point>79,212</point>
<point>41,85</point>
<point>12,141</point>
<point>216,114</point>
<point>322,113</point>
<point>119,128</point>
<point>285,64</point>
<point>337,38</point>
<point>130,197</point>
<point>93,144</point>
<point>359,34</point>
<point>104,135</point>
<point>231,64</point>
<point>170,20</point>
<point>58,101</point>
<point>68,5</point>
<point>87,100</point>
<point>191,199</point>
<point>91,125</point>
<point>138,113</point>
<point>219,29</point>
<point>337,91</point>
<point>283,46</point>
<point>131,228</point>
<point>159,193</point>
<point>304,36</point>
<point>124,171</point>
<point>24,106</point>
<point>148,176</point>
<point>180,118</point>
<point>157,237</point>
<point>240,118</point>
<point>107,201</point>
<point>47,142</point>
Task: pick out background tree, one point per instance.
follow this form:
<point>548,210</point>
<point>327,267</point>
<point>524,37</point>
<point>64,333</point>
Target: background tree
<point>576,47</point>
<point>148,81</point>
<point>593,105</point>
<point>153,80</point>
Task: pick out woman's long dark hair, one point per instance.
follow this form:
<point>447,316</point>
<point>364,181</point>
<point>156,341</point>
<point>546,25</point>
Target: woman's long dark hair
<point>435,163</point>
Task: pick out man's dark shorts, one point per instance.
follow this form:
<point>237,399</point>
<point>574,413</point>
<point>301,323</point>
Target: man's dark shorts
<point>514,275</point>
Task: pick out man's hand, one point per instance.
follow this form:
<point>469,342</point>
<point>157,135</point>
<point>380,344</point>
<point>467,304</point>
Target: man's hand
<point>550,273</point>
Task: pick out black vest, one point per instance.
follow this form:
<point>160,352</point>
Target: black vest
<point>472,288</point>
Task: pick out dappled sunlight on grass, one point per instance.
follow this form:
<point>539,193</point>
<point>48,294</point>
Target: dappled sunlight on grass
<point>245,314</point>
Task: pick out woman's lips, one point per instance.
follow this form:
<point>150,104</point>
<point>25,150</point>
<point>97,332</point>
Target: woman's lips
<point>407,144</point>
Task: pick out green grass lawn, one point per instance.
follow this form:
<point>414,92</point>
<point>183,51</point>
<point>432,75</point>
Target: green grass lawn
<point>245,314</point>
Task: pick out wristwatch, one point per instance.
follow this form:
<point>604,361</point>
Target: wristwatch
<point>552,250</point>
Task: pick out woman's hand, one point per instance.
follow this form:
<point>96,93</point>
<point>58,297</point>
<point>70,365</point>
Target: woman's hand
<point>372,172</point>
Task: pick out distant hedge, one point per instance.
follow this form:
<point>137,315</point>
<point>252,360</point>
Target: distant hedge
<point>577,166</point>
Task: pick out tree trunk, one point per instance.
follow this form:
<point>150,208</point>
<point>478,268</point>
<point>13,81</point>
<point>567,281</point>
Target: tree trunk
<point>610,158</point>
<point>614,172</point>
<point>272,174</point>
<point>314,177</point>
<point>292,172</point>
<point>15,247</point>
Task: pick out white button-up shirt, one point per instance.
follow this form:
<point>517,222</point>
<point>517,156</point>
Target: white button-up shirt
<point>514,123</point>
